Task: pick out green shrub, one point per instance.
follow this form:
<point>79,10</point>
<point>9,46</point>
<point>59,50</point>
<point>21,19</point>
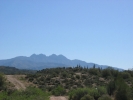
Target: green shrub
<point>105,97</point>
<point>64,74</point>
<point>77,76</point>
<point>77,94</point>
<point>87,97</point>
<point>58,91</point>
<point>106,73</point>
<point>94,93</point>
<point>123,91</point>
<point>93,71</point>
<point>3,95</point>
<point>111,88</point>
<point>30,93</point>
<point>102,90</point>
<point>2,82</point>
<point>125,75</point>
<point>87,93</point>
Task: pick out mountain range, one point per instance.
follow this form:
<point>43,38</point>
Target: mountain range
<point>41,61</point>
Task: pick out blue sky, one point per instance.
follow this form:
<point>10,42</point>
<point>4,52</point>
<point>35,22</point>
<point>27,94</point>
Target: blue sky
<point>99,31</point>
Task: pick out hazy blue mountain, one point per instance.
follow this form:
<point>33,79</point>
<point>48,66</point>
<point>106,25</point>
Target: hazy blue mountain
<point>12,70</point>
<point>42,61</point>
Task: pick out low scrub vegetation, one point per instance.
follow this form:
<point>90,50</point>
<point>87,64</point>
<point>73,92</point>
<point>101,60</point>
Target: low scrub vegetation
<point>31,93</point>
<point>85,83</point>
<point>12,70</point>
<point>76,82</point>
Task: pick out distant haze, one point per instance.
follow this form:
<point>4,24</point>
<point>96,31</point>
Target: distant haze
<point>41,61</point>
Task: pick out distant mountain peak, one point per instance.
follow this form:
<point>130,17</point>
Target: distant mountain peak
<point>42,55</point>
<point>35,55</point>
<point>53,55</point>
<point>41,61</point>
<point>62,56</point>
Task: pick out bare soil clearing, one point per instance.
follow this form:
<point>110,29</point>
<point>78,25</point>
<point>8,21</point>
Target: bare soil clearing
<point>58,98</point>
<point>17,81</point>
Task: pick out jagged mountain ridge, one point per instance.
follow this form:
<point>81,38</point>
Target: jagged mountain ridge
<point>41,61</point>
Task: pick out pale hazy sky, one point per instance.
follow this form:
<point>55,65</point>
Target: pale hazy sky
<point>99,31</point>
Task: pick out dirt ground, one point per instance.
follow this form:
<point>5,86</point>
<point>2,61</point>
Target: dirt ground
<point>17,81</point>
<point>58,98</point>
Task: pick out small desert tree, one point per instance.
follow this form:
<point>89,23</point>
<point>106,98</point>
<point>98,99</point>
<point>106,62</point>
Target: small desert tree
<point>123,91</point>
<point>58,91</point>
<point>2,80</point>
